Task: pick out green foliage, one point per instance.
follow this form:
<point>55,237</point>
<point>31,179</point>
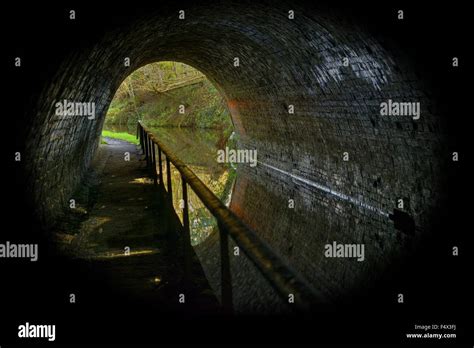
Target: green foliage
<point>153,94</point>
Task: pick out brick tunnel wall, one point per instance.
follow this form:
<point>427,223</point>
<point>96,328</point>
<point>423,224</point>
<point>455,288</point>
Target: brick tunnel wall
<point>282,61</point>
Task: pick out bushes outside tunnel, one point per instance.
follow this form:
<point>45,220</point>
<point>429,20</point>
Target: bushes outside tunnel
<point>154,93</point>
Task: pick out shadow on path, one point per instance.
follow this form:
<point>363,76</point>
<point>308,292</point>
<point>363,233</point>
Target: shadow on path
<point>126,240</point>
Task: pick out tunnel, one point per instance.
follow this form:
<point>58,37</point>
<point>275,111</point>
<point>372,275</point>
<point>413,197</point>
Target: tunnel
<point>330,73</point>
<point>304,84</point>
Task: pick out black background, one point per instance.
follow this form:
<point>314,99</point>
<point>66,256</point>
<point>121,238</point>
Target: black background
<point>437,285</point>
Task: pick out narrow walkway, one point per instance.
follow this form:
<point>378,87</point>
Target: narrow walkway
<point>126,212</point>
<point>128,239</point>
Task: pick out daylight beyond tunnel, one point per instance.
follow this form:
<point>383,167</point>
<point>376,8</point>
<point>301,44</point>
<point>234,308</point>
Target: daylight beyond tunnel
<point>305,91</point>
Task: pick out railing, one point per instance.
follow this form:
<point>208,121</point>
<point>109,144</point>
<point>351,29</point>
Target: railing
<point>277,273</point>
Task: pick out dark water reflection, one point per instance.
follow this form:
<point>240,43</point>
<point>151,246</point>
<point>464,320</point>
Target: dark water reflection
<point>299,234</point>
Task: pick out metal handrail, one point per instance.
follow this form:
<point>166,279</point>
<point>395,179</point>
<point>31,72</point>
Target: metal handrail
<point>279,275</point>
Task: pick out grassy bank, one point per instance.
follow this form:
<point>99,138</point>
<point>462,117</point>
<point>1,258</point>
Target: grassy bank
<point>120,136</point>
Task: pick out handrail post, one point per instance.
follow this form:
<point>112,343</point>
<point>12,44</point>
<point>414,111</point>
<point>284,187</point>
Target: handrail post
<point>187,233</point>
<point>168,178</point>
<point>145,141</point>
<point>153,165</point>
<point>226,278</point>
<point>141,136</point>
<point>149,149</point>
<point>148,141</point>
<point>160,165</point>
